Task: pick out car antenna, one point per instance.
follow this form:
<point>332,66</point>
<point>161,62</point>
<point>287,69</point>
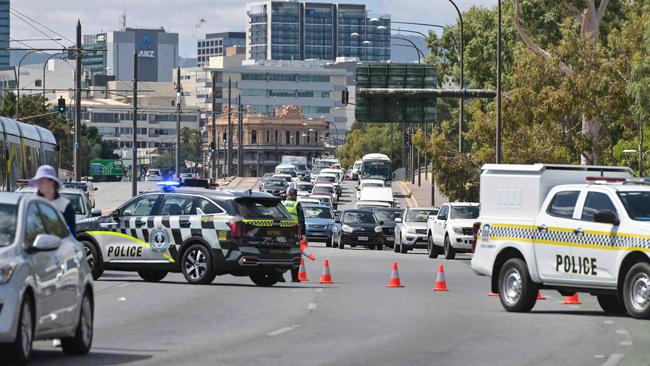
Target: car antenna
<point>250,191</point>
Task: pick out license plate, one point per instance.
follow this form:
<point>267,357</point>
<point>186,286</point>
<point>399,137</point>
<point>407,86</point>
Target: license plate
<point>363,238</point>
<point>273,232</point>
<point>389,238</point>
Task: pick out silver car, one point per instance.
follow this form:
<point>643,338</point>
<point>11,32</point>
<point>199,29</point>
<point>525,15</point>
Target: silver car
<point>46,288</point>
<point>78,199</point>
<point>411,229</point>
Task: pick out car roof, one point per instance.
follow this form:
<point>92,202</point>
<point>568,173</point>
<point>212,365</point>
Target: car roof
<point>362,181</point>
<point>215,193</point>
<point>357,210</point>
<point>615,187</point>
<point>456,204</point>
<point>332,175</point>
<point>324,185</point>
<point>62,190</point>
<point>10,198</point>
<point>316,205</point>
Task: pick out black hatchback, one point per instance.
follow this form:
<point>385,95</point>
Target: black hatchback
<point>358,227</point>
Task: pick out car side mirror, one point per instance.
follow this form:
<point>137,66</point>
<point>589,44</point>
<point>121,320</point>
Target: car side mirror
<point>116,215</point>
<point>44,242</point>
<point>607,217</point>
<point>442,217</point>
<point>398,221</point>
<point>96,212</point>
<point>95,188</point>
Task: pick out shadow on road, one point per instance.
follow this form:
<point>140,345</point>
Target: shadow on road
<point>285,285</point>
<point>56,357</point>
<point>601,314</point>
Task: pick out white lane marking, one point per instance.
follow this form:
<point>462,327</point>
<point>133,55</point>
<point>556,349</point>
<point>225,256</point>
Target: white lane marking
<point>626,343</point>
<point>122,285</point>
<point>622,332</point>
<point>121,298</point>
<point>599,356</point>
<point>608,322</point>
<point>312,306</point>
<point>319,290</point>
<point>283,330</point>
<point>613,359</point>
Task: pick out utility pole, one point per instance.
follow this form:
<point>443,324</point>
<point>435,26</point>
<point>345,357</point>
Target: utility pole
<point>134,156</point>
<point>77,110</point>
<point>498,127</point>
<point>215,173</point>
<point>178,122</point>
<point>229,156</point>
<point>240,139</point>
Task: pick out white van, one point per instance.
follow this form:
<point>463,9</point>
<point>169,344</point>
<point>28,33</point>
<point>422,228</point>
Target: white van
<point>377,194</point>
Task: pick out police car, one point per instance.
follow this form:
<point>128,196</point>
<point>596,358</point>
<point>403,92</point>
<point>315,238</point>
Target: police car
<point>199,232</point>
<point>568,228</point>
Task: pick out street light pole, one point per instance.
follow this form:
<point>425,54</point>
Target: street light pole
<point>462,74</point>
<point>77,109</point>
<point>215,175</point>
<point>135,168</point>
<point>178,122</point>
<point>498,125</point>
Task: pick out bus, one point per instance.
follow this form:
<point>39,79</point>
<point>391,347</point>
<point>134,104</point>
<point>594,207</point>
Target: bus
<point>23,148</point>
<point>376,166</point>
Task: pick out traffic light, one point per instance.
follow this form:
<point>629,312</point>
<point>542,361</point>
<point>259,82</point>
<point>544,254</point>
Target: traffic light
<point>345,96</point>
<point>407,138</point>
<point>61,106</point>
<point>212,147</point>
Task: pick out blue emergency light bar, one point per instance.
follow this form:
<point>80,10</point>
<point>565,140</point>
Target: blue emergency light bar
<point>168,185</point>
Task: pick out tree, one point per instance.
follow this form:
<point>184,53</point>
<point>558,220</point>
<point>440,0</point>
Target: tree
<point>365,138</point>
<point>191,150</point>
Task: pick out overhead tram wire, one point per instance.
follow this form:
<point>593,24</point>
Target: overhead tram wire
<point>32,26</point>
<point>41,24</point>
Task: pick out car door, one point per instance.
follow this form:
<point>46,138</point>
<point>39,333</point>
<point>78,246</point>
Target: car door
<point>47,272</point>
<point>124,239</point>
<point>68,254</point>
<point>556,229</point>
<point>172,216</point>
<point>592,262</point>
<point>440,225</point>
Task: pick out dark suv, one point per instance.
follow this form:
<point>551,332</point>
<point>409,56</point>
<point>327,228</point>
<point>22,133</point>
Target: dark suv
<point>199,232</point>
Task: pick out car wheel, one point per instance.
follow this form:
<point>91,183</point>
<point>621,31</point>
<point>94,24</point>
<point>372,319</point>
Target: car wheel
<point>83,338</point>
<point>518,293</point>
<point>380,247</point>
<point>432,249</point>
<point>329,243</point>
<point>196,265</point>
<point>396,248</point>
<point>636,291</point>
<point>371,247</point>
<point>610,304</point>
<point>403,249</point>
<point>20,351</point>
<point>152,276</point>
<point>450,253</point>
<point>341,245</point>
<point>94,261</point>
<point>265,279</point>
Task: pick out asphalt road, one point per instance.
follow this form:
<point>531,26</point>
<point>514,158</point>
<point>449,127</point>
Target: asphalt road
<point>355,321</point>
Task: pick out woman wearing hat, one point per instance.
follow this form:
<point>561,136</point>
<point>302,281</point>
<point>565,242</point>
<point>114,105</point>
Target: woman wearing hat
<point>48,185</point>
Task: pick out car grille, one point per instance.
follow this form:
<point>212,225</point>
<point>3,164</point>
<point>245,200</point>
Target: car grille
<point>389,230</point>
<point>420,231</point>
<point>317,227</point>
<point>468,231</point>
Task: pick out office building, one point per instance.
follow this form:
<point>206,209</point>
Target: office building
<point>290,30</point>
<point>157,54</point>
<point>5,27</point>
<point>40,79</point>
<point>215,44</point>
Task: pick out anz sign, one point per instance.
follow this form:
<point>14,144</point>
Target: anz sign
<point>146,47</point>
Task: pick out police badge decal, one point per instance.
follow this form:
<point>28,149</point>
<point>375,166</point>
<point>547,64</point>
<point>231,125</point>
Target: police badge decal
<point>159,239</point>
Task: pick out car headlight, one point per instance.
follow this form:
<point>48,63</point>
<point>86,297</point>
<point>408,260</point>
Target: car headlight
<point>457,229</point>
<point>346,229</point>
<point>6,270</point>
<point>378,229</point>
<point>410,231</point>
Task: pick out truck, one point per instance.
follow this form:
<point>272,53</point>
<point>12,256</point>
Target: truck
<point>450,230</point>
<point>299,162</point>
<point>567,228</point>
<point>110,170</point>
<point>376,166</point>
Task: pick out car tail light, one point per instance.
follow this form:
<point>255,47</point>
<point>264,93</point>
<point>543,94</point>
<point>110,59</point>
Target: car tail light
<point>236,229</point>
<point>475,228</point>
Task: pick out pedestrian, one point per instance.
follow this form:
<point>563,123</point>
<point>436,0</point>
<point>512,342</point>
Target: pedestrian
<point>295,209</point>
<point>47,186</point>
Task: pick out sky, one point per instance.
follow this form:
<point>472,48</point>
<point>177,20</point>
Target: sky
<point>184,16</point>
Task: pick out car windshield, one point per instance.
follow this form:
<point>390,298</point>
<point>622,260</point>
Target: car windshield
<point>305,186</point>
<point>300,166</point>
<point>637,204</point>
<point>326,179</point>
<point>267,176</point>
<point>317,212</point>
<point>77,203</point>
<point>153,172</point>
<point>276,183</point>
<point>464,212</point>
<point>366,185</point>
<point>386,215</point>
<point>359,218</point>
<point>419,215</point>
<point>261,210</point>
<point>8,229</point>
<point>325,190</point>
<point>289,172</point>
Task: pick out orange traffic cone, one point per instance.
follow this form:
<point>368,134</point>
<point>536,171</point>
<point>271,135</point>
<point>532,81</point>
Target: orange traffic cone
<point>302,273</point>
<point>441,284</point>
<point>394,277</point>
<point>572,299</point>
<point>492,294</point>
<point>326,278</point>
<point>305,251</point>
<point>539,295</point>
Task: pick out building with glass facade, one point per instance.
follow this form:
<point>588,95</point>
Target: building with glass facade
<point>4,32</point>
<point>215,44</point>
<point>291,30</point>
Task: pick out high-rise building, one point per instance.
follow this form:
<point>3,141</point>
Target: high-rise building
<point>157,54</point>
<point>291,30</point>
<point>4,32</point>
<point>215,44</point>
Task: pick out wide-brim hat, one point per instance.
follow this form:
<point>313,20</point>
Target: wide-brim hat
<point>45,171</point>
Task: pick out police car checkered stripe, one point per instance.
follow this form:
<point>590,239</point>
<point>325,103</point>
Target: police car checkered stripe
<point>561,236</point>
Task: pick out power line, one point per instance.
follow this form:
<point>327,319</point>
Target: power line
<point>31,25</point>
<point>43,25</point>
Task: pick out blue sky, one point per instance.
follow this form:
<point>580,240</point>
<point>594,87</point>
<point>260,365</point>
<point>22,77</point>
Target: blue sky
<point>183,16</point>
